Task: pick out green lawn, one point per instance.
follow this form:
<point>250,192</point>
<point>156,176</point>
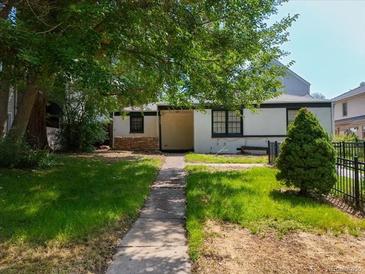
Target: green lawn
<point>252,198</point>
<point>225,159</point>
<point>72,200</point>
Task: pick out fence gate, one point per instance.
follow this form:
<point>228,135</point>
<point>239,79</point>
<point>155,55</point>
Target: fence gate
<point>273,149</point>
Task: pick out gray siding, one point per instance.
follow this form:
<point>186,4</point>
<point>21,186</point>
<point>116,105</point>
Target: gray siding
<point>294,85</point>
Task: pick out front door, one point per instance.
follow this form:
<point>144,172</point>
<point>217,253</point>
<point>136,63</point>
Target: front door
<point>177,129</point>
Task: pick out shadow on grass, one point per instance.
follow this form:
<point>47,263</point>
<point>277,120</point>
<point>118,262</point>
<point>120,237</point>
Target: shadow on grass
<point>294,198</point>
<point>71,200</point>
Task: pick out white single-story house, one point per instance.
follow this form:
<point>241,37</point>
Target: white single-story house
<point>161,127</point>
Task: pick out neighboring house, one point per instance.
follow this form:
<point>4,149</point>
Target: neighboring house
<point>349,112</point>
<point>12,108</point>
<point>161,127</point>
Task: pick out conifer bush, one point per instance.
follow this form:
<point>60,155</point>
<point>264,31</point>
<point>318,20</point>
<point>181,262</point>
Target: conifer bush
<point>307,159</point>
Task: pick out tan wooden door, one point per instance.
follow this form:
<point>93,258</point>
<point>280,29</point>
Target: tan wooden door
<point>177,129</point>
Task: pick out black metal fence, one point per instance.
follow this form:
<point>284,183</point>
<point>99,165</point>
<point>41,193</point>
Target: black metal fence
<point>273,149</point>
<point>350,183</point>
<point>349,150</point>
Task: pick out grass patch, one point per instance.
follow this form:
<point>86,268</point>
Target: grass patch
<point>252,198</point>
<point>225,159</point>
<point>74,200</point>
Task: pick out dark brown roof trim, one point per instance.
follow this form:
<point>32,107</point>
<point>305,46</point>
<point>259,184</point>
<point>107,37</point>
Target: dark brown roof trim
<point>137,113</point>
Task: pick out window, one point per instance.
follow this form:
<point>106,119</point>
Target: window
<point>136,123</point>
<point>344,109</point>
<point>226,123</point>
<point>234,122</point>
<point>291,114</point>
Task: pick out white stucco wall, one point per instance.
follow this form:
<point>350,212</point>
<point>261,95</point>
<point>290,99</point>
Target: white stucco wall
<point>11,109</point>
<point>267,121</point>
<point>253,124</point>
<point>324,116</point>
<point>355,107</point>
<point>121,127</point>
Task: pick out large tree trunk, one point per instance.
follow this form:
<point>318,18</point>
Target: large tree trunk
<point>21,120</point>
<point>37,132</point>
<point>4,100</point>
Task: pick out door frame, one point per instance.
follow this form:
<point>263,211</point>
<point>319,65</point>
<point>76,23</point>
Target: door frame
<point>160,132</point>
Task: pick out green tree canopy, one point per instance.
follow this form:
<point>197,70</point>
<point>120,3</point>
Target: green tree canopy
<point>182,52</point>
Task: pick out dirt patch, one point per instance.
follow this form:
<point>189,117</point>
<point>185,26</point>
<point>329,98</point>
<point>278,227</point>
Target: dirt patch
<point>232,249</point>
<point>91,255</point>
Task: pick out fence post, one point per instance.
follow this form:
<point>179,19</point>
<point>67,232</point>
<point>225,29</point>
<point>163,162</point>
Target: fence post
<point>342,149</point>
<point>276,149</point>
<point>363,155</point>
<point>357,183</point>
<point>268,150</point>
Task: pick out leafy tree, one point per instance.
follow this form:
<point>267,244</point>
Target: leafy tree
<point>84,119</point>
<point>318,95</point>
<point>307,157</point>
<point>182,52</point>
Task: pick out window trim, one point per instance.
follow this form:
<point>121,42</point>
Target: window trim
<point>135,115</point>
<point>344,108</point>
<point>287,116</point>
<point>226,134</point>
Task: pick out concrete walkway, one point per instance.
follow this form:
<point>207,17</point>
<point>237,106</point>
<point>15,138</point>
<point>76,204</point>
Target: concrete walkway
<point>156,243</point>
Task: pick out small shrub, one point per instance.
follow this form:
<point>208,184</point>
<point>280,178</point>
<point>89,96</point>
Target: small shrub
<point>348,137</point>
<point>83,122</point>
<point>307,158</point>
<point>21,155</point>
<point>82,135</point>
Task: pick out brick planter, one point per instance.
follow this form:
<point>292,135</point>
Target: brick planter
<point>136,143</point>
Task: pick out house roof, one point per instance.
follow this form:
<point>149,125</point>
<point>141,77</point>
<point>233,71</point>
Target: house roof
<point>289,71</point>
<point>149,107</point>
<point>281,99</point>
<point>288,98</point>
<point>356,91</point>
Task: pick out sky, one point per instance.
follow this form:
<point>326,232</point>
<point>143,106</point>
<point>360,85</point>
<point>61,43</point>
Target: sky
<point>327,43</point>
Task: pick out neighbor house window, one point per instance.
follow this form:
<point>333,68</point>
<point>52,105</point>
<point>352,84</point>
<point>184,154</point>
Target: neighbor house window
<point>291,114</point>
<point>226,123</point>
<point>344,109</point>
<point>136,123</point>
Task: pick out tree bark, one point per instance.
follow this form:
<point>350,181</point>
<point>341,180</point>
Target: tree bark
<point>4,13</point>
<point>36,134</point>
<point>21,120</point>
<point>4,100</point>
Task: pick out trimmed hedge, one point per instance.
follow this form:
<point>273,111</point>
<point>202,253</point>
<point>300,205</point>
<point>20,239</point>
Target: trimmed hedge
<point>307,159</point>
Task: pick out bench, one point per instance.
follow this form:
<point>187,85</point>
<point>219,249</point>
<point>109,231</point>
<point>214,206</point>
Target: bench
<point>243,148</point>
